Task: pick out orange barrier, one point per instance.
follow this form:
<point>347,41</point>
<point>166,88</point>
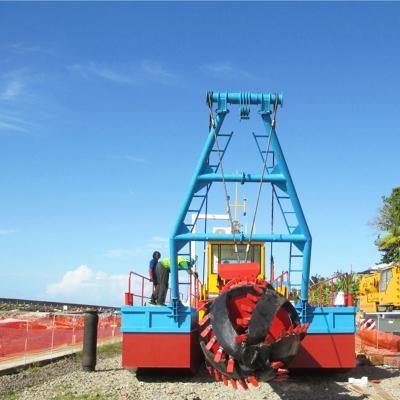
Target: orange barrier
<point>27,335</point>
<point>381,340</point>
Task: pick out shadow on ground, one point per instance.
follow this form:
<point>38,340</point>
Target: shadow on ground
<point>302,384</point>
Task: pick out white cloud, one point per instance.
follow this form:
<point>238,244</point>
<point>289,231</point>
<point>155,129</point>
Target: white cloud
<point>23,47</point>
<point>226,70</point>
<point>6,232</point>
<point>137,159</point>
<point>12,89</point>
<point>131,74</point>
<point>84,285</point>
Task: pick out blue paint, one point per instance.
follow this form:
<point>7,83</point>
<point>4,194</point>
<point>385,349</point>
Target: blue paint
<point>137,319</point>
<point>299,235</point>
<point>329,319</point>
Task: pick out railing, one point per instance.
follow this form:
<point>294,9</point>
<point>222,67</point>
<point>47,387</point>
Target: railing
<point>129,295</point>
<point>325,291</point>
<point>281,283</point>
<point>146,286</point>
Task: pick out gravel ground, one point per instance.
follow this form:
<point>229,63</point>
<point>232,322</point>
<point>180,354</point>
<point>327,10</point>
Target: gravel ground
<point>64,380</point>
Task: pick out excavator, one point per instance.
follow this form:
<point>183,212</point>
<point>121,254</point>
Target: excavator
<point>241,323</point>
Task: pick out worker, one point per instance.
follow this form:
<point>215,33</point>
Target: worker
<point>163,269</point>
<point>153,275</point>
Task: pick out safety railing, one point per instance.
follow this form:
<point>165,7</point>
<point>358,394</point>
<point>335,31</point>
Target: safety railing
<point>281,283</point>
<point>145,288</point>
<point>129,295</point>
<point>323,293</point>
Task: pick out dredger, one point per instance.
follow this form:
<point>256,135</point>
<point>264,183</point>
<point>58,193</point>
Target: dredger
<point>245,327</point>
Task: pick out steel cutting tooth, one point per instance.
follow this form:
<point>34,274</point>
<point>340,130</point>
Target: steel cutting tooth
<point>217,375</point>
<point>224,380</point>
<point>277,364</point>
<point>204,319</point>
<point>258,289</point>
<point>297,329</point>
<point>243,322</point>
<point>243,384</point>
<point>211,343</point>
<point>253,380</point>
<point>206,331</point>
<point>249,309</point>
<point>269,339</point>
<point>210,371</point>
<point>231,365</point>
<point>252,297</point>
<point>290,330</point>
<point>234,384</point>
<point>218,355</point>
<point>282,371</point>
<point>240,338</point>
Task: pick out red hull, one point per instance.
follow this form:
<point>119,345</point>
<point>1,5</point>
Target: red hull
<point>160,350</point>
<point>326,351</point>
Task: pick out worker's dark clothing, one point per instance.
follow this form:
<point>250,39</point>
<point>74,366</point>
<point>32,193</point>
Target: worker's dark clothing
<point>153,277</point>
<point>162,286</point>
<point>162,271</point>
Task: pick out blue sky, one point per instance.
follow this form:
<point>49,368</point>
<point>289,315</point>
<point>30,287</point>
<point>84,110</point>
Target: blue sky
<point>102,118</point>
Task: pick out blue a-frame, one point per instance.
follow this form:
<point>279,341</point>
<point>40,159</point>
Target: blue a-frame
<point>298,234</point>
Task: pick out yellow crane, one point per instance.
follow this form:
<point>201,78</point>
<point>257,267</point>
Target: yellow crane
<point>380,290</point>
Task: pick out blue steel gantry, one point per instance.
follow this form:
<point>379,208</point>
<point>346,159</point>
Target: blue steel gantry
<point>297,235</point>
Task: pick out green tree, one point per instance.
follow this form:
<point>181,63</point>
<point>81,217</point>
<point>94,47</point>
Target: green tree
<point>388,220</point>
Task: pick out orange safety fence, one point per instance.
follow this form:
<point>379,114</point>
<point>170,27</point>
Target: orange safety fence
<point>379,340</point>
<point>30,334</point>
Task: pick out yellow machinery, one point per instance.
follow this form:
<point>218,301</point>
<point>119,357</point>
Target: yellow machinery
<point>380,290</point>
<point>224,253</point>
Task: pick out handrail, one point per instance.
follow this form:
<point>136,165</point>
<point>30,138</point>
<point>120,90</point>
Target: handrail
<point>330,280</point>
<point>129,295</point>
<point>280,279</point>
<point>193,292</point>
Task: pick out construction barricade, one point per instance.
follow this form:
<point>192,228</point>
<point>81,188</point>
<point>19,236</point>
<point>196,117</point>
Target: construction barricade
<point>31,334</point>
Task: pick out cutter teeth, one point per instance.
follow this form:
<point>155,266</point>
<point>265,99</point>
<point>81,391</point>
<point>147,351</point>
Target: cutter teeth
<point>204,320</point>
<point>234,384</point>
<point>218,355</point>
<point>241,338</point>
<point>290,330</point>
<point>243,384</point>
<point>206,331</point>
<point>297,329</point>
<point>210,371</point>
<point>253,380</point>
<point>282,371</point>
<point>269,339</point>
<point>217,375</point>
<point>277,364</point>
<point>211,343</point>
<point>231,365</point>
<point>243,322</point>
<point>252,297</point>
<point>224,380</point>
<point>247,308</point>
<point>258,289</point>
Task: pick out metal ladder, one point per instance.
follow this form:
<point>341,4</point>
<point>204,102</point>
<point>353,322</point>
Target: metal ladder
<point>285,213</point>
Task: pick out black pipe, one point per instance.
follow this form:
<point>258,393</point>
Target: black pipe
<point>90,341</point>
